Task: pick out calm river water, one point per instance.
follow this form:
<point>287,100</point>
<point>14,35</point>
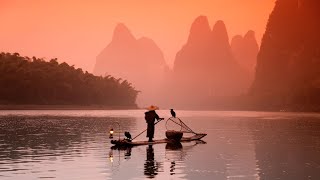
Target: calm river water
<point>239,145</point>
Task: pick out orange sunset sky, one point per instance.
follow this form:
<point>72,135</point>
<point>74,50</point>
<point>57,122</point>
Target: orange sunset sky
<point>75,31</point>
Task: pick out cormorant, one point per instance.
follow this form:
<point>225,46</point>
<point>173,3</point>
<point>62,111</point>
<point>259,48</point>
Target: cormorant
<point>128,135</point>
<point>173,114</point>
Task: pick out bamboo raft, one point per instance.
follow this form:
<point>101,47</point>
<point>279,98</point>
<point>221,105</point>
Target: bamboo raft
<point>125,142</point>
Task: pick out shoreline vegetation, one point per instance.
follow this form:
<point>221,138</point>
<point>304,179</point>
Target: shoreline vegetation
<point>33,83</point>
<point>65,107</point>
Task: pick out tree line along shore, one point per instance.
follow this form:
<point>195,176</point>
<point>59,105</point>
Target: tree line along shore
<point>35,83</point>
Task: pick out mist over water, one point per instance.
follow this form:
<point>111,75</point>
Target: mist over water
<point>240,145</point>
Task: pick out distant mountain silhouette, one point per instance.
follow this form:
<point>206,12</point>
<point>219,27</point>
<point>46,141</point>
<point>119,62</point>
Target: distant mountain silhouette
<point>245,50</point>
<point>205,69</point>
<point>288,66</point>
<point>205,66</point>
<point>140,61</point>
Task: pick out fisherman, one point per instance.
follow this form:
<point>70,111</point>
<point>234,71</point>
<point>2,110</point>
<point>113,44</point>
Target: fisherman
<point>150,117</point>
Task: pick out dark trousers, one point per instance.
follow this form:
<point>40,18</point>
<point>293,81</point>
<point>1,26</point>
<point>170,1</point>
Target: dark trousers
<point>150,131</point>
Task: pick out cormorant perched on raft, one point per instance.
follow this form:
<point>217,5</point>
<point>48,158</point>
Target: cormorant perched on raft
<point>128,135</point>
<point>173,114</point>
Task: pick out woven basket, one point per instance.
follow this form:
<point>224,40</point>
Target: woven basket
<point>174,135</point>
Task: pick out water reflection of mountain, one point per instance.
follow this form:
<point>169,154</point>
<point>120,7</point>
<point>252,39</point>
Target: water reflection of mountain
<point>287,149</point>
<point>29,136</point>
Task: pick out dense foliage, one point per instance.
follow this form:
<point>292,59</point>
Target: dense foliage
<point>288,67</point>
<point>25,80</point>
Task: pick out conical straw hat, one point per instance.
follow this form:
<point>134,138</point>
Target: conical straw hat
<point>152,108</point>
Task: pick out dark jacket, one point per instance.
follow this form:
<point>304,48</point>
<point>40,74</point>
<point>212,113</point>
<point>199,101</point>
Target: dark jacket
<point>150,117</point>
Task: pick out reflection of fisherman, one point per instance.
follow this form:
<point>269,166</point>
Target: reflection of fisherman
<point>150,117</point>
<point>150,167</point>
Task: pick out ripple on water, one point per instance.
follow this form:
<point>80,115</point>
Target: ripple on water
<point>239,145</point>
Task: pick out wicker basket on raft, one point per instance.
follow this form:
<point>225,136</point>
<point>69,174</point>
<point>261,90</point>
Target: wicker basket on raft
<point>174,135</point>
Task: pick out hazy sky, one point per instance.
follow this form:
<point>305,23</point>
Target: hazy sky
<point>75,31</point>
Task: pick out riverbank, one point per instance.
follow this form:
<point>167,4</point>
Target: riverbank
<point>64,107</point>
<point>192,108</point>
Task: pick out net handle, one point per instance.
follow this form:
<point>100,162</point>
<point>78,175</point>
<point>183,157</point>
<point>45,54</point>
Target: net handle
<point>169,119</point>
<point>182,123</point>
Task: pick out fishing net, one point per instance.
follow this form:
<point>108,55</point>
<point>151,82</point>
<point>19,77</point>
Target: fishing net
<point>175,124</point>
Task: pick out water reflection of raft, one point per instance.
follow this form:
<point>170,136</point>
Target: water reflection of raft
<point>138,143</point>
